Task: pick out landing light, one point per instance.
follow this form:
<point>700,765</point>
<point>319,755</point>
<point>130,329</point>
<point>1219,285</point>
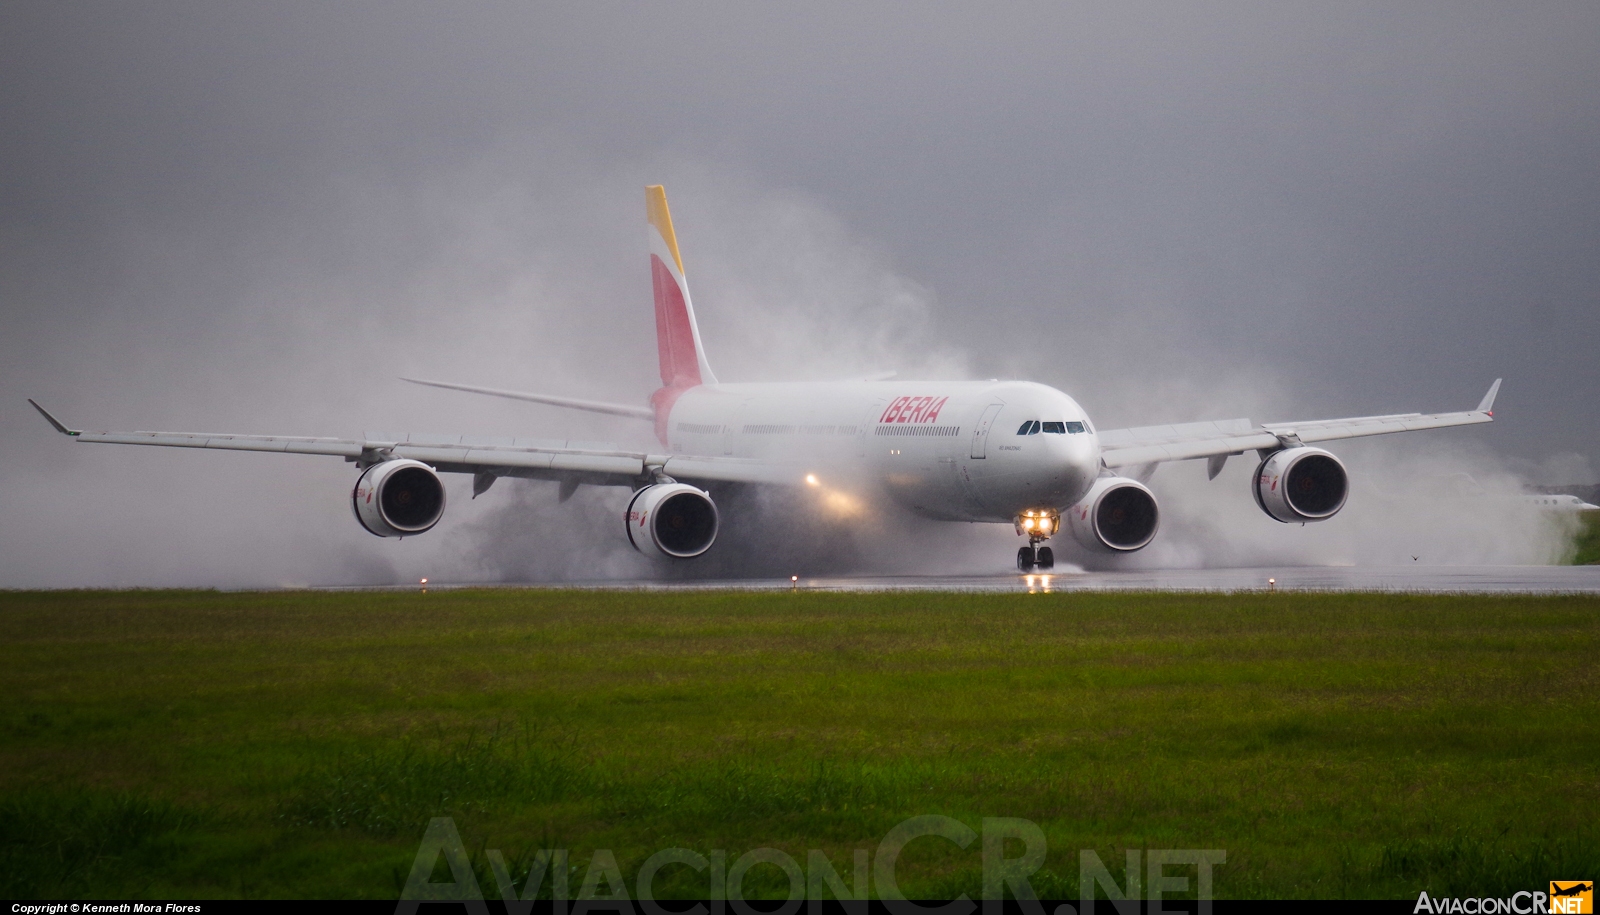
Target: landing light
<point>842,504</point>
<point>1038,522</point>
<point>837,502</point>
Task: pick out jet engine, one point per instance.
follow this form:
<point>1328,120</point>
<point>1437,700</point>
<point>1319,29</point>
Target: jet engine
<point>1118,515</point>
<point>398,498</point>
<point>674,520</point>
<point>1300,484</point>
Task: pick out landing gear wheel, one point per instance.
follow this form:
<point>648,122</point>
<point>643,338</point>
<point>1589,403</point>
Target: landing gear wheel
<point>1025,559</point>
<point>1047,558</point>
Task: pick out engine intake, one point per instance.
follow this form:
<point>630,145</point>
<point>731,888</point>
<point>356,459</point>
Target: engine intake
<point>674,520</point>
<point>398,498</point>
<point>1301,484</point>
<point>1118,515</point>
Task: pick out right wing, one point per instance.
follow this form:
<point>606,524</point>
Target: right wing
<point>594,463</point>
<point>1148,445</point>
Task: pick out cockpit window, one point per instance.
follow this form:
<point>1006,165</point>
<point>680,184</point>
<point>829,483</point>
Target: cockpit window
<point>1034,427</point>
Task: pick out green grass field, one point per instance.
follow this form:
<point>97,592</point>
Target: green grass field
<point>1588,540</point>
<point>296,744</point>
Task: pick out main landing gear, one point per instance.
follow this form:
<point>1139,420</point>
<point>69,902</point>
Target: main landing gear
<point>1033,557</point>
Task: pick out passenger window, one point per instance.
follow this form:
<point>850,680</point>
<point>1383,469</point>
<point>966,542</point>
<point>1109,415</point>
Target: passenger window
<point>1074,427</point>
<point>1057,428</point>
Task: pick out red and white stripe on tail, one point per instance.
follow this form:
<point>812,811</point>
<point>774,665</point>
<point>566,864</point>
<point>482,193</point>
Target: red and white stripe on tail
<point>683,359</point>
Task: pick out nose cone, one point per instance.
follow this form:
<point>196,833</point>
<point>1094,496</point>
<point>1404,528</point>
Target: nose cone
<point>1074,457</point>
<point>1075,460</point>
<point>1041,456</point>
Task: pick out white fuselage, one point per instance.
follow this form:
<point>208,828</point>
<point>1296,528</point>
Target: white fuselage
<point>945,449</point>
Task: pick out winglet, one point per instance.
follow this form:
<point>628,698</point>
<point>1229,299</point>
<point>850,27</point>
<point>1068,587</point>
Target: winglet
<point>53,421</point>
<point>1487,406</point>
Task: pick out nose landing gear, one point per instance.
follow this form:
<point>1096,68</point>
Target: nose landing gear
<point>1037,524</point>
<point>1033,557</point>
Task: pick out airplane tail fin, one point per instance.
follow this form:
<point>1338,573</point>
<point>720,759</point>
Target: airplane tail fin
<point>683,357</point>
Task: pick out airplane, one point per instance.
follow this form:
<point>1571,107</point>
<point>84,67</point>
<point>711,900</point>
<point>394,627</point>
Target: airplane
<point>1006,452</point>
<point>1558,502</point>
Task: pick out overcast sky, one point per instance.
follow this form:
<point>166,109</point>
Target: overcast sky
<point>252,217</point>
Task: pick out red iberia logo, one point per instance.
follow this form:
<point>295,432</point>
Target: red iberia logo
<point>1572,897</point>
<point>913,410</point>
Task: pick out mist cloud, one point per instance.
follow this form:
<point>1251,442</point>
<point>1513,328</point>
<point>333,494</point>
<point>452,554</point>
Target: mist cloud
<point>254,219</point>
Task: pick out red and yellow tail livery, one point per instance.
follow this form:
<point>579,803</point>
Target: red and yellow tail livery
<point>683,360</point>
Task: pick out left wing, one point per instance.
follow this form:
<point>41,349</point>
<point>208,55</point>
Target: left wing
<point>594,463</point>
<point>1150,445</point>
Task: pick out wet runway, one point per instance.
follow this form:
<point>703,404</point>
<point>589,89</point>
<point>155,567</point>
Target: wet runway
<point>1459,579</point>
<point>1440,579</point>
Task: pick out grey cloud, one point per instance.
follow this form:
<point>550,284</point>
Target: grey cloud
<point>255,216</point>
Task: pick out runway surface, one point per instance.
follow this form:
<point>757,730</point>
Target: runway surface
<point>1441,579</point>
<point>1519,579</point>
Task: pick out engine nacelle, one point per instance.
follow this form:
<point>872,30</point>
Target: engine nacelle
<point>674,520</point>
<point>1300,484</point>
<point>398,498</point>
<point>1118,515</point>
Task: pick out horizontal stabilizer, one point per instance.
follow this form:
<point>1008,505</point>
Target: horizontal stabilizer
<point>571,403</point>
